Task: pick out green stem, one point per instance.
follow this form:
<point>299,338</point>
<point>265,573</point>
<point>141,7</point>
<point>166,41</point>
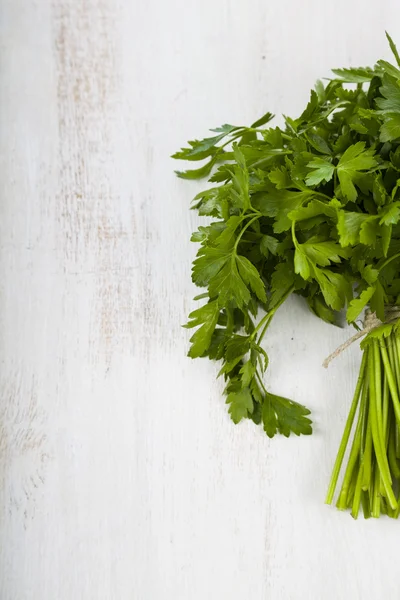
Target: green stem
<point>385,407</point>
<point>264,331</point>
<point>271,312</point>
<point>261,382</point>
<point>324,196</point>
<point>394,467</point>
<point>294,238</point>
<point>380,452</point>
<point>346,488</point>
<point>259,162</point>
<point>376,497</point>
<point>238,133</point>
<point>391,382</point>
<point>396,356</point>
<point>357,494</point>
<point>367,457</point>
<point>353,484</point>
<point>365,505</point>
<point>378,390</point>
<point>255,218</point>
<point>392,354</point>
<point>389,260</point>
<point>347,431</point>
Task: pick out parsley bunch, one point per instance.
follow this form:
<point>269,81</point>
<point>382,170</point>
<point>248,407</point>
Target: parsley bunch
<point>313,209</point>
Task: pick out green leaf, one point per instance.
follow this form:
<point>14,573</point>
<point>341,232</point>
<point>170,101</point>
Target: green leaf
<point>229,366</point>
<point>213,202</point>
<point>335,287</point>
<point>354,160</point>
<point>208,264</point>
<point>269,417</point>
<point>393,48</point>
<point>216,348</point>
<point>237,346</point>
<point>302,264</point>
<point>226,238</point>
<point>369,274</point>
<point>240,404</point>
<point>280,177</point>
<point>262,356</point>
<point>314,208</point>
<point>390,90</point>
<point>263,120</point>
<point>349,226</point>
<point>226,128</point>
<point>390,214</point>
<point>369,231</point>
<point>358,304</point>
<point>251,277</point>
<point>278,204</point>
<point>285,416</point>
<point>283,278</point>
<point>199,149</point>
<point>229,286</point>
<point>198,173</point>
<point>206,317</point>
<point>322,171</point>
<point>318,143</point>
<point>269,244</point>
<point>378,301</point>
<point>311,109</point>
<point>324,253</point>
<point>388,68</point>
<point>240,179</point>
<point>360,75</point>
<point>386,238</point>
<point>379,190</point>
<point>319,307</point>
<point>247,373</point>
<point>390,129</point>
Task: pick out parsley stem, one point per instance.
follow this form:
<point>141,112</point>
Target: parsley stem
<point>389,260</point>
<point>394,466</point>
<point>324,196</point>
<point>395,361</point>
<point>348,476</point>
<point>261,382</point>
<point>347,431</point>
<point>270,158</point>
<point>378,392</point>
<point>391,383</point>
<point>357,494</point>
<point>385,408</point>
<point>255,218</point>
<point>264,331</point>
<point>376,497</point>
<point>294,238</point>
<point>266,318</point>
<point>380,453</point>
<point>367,454</point>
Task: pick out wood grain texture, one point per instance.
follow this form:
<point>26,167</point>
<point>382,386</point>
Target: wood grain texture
<point>121,476</point>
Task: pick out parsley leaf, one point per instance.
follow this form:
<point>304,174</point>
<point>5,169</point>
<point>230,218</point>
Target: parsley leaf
<point>352,161</point>
<point>310,208</point>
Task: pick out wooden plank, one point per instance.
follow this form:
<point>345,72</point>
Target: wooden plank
<point>121,475</point>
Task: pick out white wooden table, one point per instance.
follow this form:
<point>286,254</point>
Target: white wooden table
<point>122,477</point>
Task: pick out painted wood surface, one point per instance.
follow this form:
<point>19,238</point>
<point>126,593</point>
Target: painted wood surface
<point>121,476</point>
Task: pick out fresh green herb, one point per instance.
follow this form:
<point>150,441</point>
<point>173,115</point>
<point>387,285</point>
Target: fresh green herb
<point>312,209</point>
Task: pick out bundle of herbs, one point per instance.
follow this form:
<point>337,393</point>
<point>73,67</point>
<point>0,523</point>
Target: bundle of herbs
<point>312,209</point>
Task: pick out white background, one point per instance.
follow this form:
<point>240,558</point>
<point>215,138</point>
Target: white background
<point>121,475</point>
